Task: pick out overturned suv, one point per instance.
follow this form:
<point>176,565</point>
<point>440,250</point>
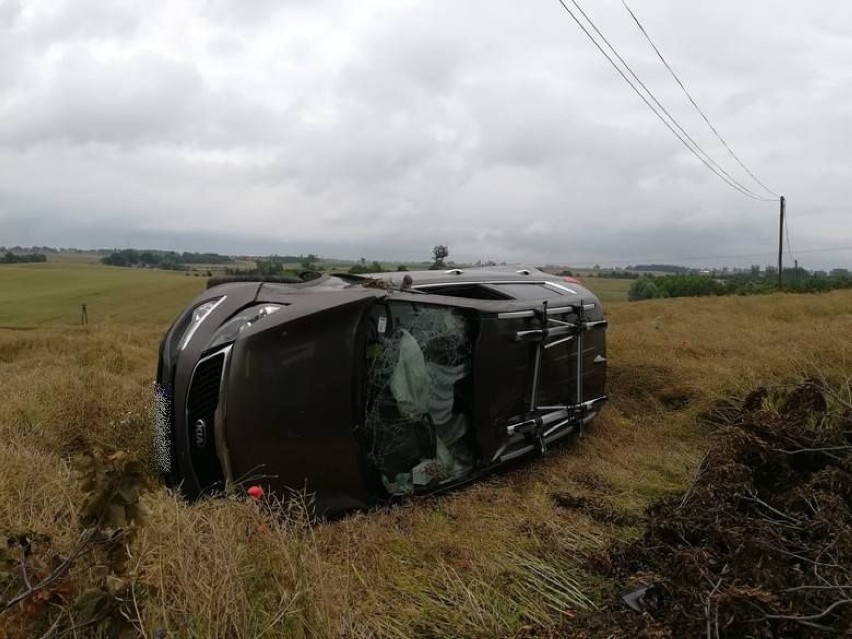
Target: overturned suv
<point>358,390</point>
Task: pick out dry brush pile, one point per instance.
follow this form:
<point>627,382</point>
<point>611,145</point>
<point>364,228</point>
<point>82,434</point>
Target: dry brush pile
<point>760,543</point>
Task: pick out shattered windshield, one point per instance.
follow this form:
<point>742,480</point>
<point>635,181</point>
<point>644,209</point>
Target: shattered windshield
<point>419,395</point>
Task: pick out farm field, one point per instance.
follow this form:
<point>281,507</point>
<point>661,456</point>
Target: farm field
<point>50,294</point>
<point>502,558</point>
<point>608,289</point>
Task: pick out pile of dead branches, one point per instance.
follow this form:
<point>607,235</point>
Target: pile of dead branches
<point>760,544</point>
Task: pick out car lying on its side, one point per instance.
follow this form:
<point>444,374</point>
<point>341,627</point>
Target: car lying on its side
<point>360,389</point>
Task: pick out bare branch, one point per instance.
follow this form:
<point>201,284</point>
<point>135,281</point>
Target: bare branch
<point>708,607</point>
<point>811,617</point>
<point>695,476</point>
<point>831,587</point>
<point>827,449</point>
<point>49,632</point>
<point>58,572</point>
<point>754,498</point>
<point>24,575</point>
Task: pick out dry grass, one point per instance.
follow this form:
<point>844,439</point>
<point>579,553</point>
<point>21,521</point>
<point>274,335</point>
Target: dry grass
<point>481,562</point>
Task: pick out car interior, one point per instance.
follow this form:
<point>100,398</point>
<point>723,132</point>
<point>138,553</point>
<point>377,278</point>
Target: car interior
<point>419,398</point>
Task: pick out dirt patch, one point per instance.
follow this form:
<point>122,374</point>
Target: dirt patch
<point>759,545</point>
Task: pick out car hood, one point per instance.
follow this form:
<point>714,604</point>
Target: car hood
<point>289,402</point>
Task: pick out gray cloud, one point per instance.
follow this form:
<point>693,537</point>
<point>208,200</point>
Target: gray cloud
<point>384,128</point>
<point>94,101</point>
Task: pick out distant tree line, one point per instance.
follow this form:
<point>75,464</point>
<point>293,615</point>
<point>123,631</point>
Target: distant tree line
<point>363,267</point>
<point>753,283</point>
<point>617,275</point>
<point>168,260</point>
<point>20,250</point>
<point>274,265</point>
<point>658,268</point>
<point>20,258</point>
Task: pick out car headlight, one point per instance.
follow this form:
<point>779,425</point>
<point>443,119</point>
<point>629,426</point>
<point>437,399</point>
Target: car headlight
<point>199,314</point>
<point>230,330</point>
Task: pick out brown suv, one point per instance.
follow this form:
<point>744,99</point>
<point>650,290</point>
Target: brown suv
<point>361,389</point>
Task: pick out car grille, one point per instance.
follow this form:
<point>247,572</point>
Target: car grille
<point>202,399</point>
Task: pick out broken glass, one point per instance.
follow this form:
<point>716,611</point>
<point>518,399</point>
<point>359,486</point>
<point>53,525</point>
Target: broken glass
<point>419,395</point>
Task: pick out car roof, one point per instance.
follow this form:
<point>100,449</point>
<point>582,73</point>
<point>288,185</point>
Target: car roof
<point>421,282</point>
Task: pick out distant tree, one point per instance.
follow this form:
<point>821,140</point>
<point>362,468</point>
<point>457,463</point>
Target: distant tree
<point>402,267</point>
<point>643,289</point>
<point>115,259</point>
<point>439,255</point>
<point>268,267</point>
<point>662,268</point>
<point>20,258</point>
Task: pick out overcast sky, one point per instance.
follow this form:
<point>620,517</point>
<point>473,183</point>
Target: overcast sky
<point>380,128</point>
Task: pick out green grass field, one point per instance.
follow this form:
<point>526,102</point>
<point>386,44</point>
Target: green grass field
<point>608,289</point>
<point>487,561</point>
<point>51,294</point>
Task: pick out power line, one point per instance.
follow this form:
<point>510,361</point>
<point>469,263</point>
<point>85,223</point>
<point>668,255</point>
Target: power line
<point>692,100</point>
<point>695,144</point>
<point>825,250</point>
<point>722,176</point>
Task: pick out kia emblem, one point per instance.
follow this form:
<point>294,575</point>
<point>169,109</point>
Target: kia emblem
<point>200,433</point>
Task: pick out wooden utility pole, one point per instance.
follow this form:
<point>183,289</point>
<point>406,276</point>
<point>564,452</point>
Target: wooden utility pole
<point>781,243</point>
